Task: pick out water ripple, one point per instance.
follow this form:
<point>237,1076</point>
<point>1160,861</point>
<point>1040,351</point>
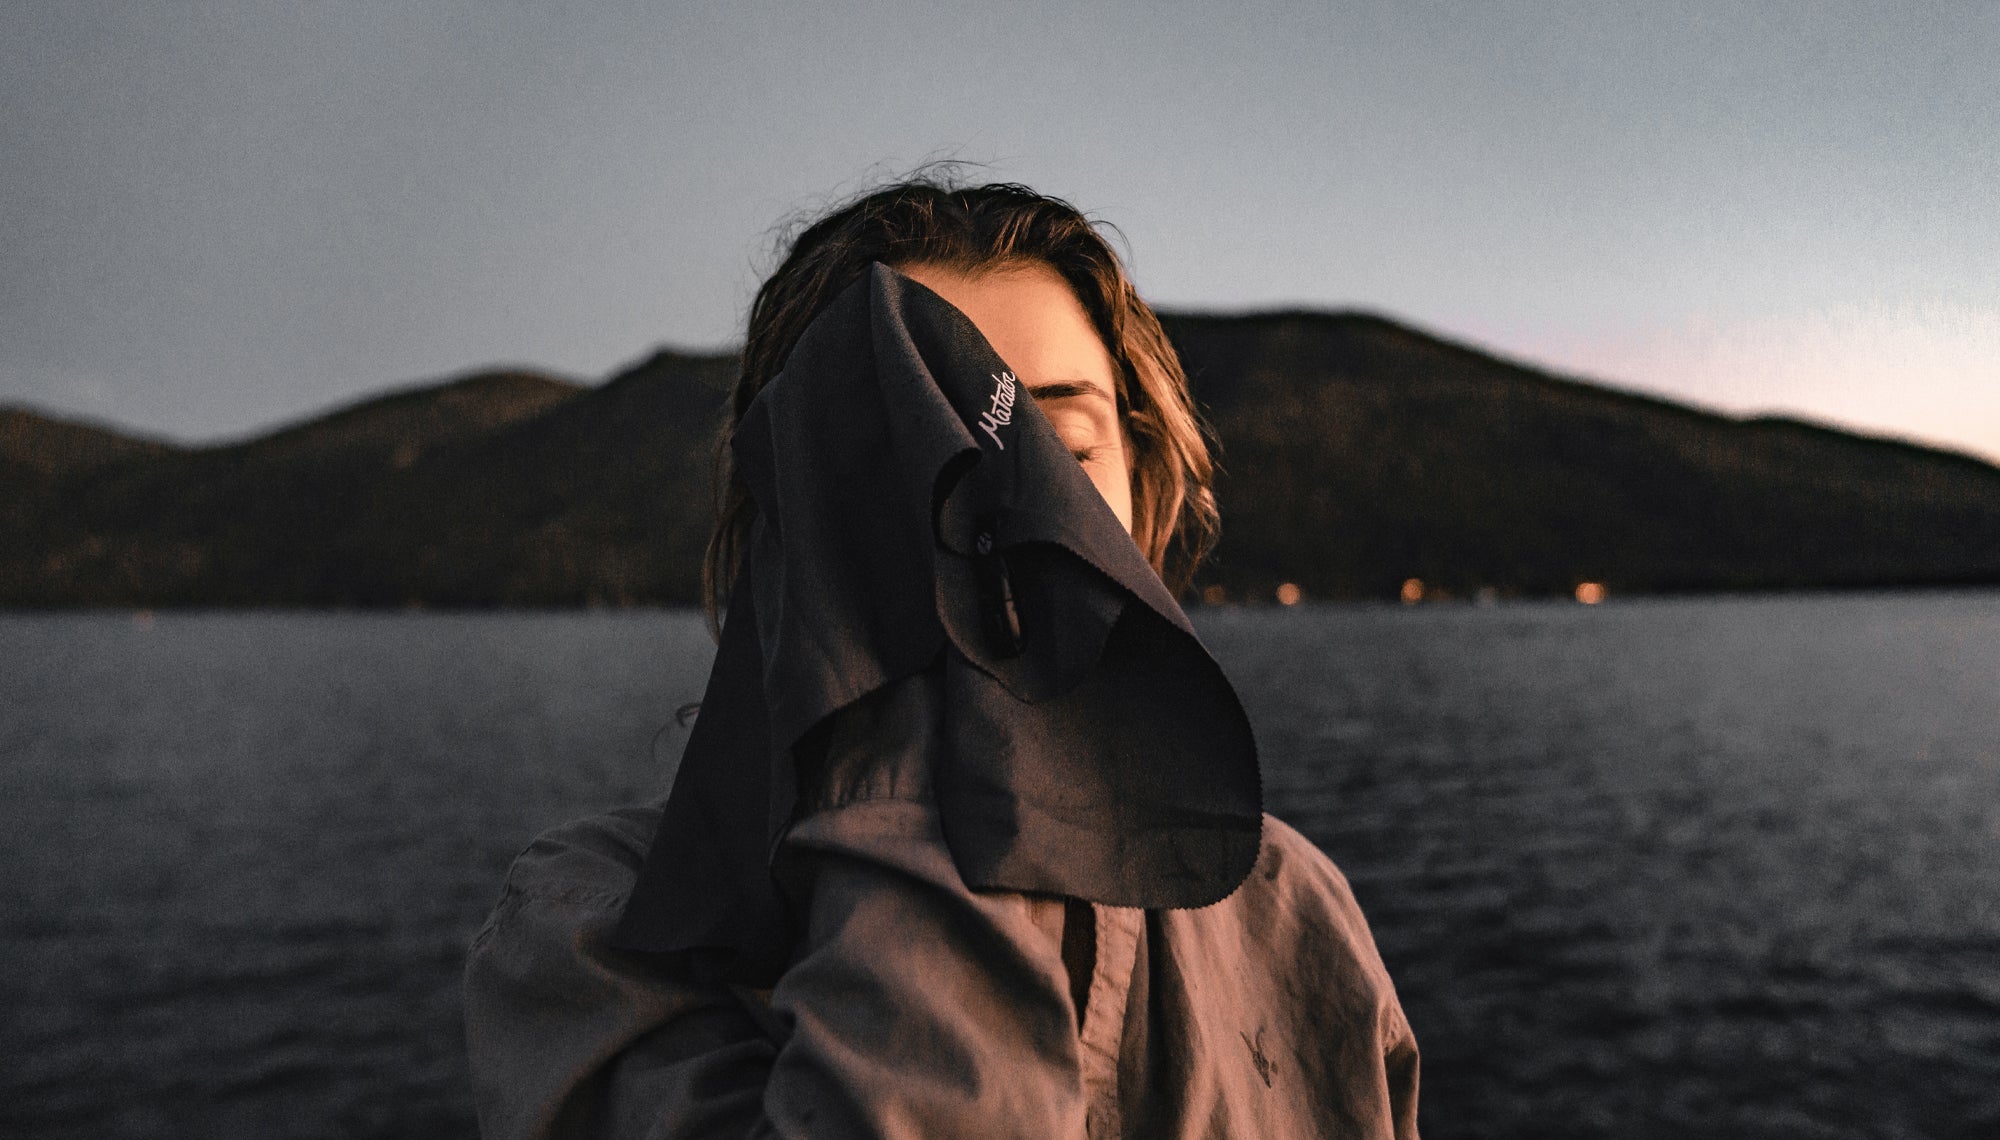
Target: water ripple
<point>1662,869</point>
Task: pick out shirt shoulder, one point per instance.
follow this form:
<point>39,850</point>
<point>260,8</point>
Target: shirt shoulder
<point>1306,909</point>
<point>1292,867</point>
<point>1272,1012</point>
<point>589,862</point>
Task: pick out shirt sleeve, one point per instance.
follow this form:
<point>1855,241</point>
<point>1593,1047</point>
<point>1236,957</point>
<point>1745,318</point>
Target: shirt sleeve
<point>568,1036</point>
<point>914,1008</point>
<point>919,1007</point>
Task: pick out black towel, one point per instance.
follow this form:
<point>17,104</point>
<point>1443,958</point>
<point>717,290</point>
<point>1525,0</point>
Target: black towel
<point>916,511</point>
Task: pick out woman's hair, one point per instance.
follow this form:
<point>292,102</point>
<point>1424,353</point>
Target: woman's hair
<point>970,229</point>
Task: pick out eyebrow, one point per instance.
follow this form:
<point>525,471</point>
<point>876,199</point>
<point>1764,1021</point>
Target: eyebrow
<point>1067,389</point>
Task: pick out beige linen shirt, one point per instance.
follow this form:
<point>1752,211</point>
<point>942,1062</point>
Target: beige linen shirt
<point>915,1007</point>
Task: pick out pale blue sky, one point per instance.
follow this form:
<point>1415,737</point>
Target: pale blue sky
<point>219,216</point>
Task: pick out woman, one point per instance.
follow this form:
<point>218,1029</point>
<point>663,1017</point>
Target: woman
<point>967,840</point>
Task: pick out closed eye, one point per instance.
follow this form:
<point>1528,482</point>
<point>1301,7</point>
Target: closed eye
<point>1059,399</point>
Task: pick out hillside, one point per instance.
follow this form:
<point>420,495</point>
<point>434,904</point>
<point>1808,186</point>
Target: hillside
<point>499,488</point>
<point>1359,452</point>
<point>1356,453</point>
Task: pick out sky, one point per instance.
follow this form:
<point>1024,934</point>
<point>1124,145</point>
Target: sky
<point>218,217</point>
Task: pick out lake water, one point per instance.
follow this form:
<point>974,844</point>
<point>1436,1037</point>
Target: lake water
<point>1655,868</point>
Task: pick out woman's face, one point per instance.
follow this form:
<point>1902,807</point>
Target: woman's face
<point>1032,318</point>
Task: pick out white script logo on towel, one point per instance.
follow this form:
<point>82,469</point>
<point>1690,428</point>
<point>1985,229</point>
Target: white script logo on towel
<point>1002,412</point>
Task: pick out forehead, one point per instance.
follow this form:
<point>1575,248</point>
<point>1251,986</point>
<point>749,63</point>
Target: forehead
<point>1031,317</point>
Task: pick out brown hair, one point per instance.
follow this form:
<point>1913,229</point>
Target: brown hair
<point>929,219</point>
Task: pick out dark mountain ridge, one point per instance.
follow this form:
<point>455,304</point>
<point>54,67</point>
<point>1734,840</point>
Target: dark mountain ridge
<point>1356,453</point>
<point>38,447</point>
<point>1359,452</point>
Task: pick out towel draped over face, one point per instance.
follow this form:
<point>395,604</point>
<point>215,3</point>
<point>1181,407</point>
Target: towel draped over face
<point>916,512</point>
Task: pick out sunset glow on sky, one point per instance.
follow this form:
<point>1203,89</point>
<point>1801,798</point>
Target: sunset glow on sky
<point>223,216</point>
